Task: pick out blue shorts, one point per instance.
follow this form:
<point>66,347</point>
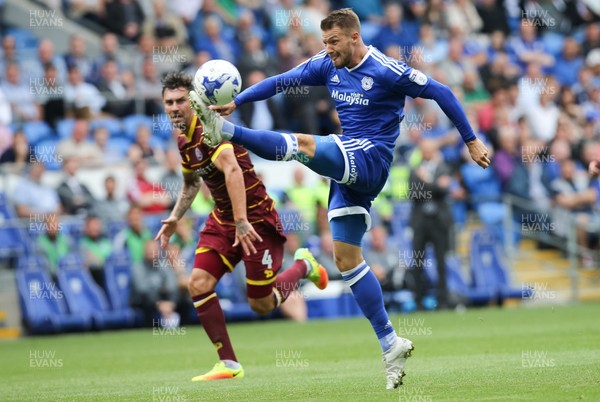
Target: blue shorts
<point>358,174</point>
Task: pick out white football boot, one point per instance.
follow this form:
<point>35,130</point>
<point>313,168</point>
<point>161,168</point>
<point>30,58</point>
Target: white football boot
<point>395,360</point>
<point>212,122</point>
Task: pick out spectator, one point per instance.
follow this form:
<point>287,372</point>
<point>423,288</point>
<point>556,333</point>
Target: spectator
<point>77,56</point>
<point>79,147</point>
<point>95,248</point>
<point>592,38</point>
<point>394,33</point>
<point>255,57</point>
<point>112,89</point>
<point>110,47</point>
<point>429,184</point>
<point>434,49</point>
<point>9,54</point>
<point>526,181</point>
<point>568,63</point>
<point>112,207</point>
<point>124,18</point>
<point>165,26</point>
<point>247,28</point>
<point>434,15</point>
<point>154,285</point>
<point>19,153</point>
<point>261,115</point>
<point>528,48</point>
<point>572,192</point>
<point>150,153</point>
<point>543,116</point>
<point>134,237</point>
<point>31,196</point>
<point>107,157</point>
<point>149,88</point>
<point>199,59</point>
<point>35,67</point>
<point>499,71</point>
<point>74,196</point>
<point>51,96</point>
<point>287,54</point>
<point>214,42</point>
<point>384,260</point>
<point>462,17</point>
<point>188,12</point>
<point>52,244</point>
<point>5,120</point>
<point>83,99</point>
<point>149,197</point>
<point>21,99</point>
<point>507,156</point>
<point>456,63</point>
<point>493,16</point>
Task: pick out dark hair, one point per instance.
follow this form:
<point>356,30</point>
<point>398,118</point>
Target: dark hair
<point>343,18</point>
<point>177,79</point>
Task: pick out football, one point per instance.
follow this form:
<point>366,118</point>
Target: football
<point>217,82</point>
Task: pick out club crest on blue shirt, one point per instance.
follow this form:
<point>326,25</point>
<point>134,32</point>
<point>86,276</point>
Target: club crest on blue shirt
<point>417,77</point>
<point>367,83</point>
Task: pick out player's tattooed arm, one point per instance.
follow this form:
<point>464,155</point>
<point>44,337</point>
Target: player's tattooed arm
<point>189,190</point>
<point>191,186</point>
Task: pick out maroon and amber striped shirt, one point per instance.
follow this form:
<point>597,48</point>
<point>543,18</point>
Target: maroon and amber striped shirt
<point>199,158</point>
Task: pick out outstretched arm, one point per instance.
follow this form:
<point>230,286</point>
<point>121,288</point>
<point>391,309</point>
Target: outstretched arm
<point>444,97</point>
<point>307,73</point>
<point>191,186</point>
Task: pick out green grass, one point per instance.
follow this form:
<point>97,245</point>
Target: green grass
<point>522,354</point>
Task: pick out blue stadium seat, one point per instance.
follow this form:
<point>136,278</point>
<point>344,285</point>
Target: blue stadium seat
<point>131,124</point>
<point>25,40</point>
<point>119,145</point>
<point>112,125</point>
<point>86,298</point>
<point>13,239</point>
<point>42,303</point>
<point>117,279</point>
<point>45,152</point>
<point>487,268</point>
<point>64,128</point>
<point>457,284</point>
<point>162,127</point>
<point>35,131</point>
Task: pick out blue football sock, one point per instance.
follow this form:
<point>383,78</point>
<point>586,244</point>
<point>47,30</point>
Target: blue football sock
<point>267,144</point>
<point>368,295</point>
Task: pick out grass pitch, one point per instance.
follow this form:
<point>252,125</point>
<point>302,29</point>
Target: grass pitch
<point>515,354</point>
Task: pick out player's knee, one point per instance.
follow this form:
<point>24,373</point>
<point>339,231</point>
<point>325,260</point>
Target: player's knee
<point>346,262</point>
<point>261,306</point>
<point>201,282</point>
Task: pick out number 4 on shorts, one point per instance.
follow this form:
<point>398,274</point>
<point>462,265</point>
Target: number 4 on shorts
<point>267,259</point>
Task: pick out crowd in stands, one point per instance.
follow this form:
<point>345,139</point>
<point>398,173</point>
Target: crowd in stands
<point>527,73</point>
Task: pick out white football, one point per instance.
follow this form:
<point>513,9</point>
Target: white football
<point>217,82</point>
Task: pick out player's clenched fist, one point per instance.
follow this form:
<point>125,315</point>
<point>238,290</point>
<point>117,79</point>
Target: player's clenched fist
<point>479,152</point>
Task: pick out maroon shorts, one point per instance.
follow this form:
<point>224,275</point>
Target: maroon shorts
<point>261,268</point>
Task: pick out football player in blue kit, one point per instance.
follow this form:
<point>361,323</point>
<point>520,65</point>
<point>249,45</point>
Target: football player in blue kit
<point>369,91</point>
